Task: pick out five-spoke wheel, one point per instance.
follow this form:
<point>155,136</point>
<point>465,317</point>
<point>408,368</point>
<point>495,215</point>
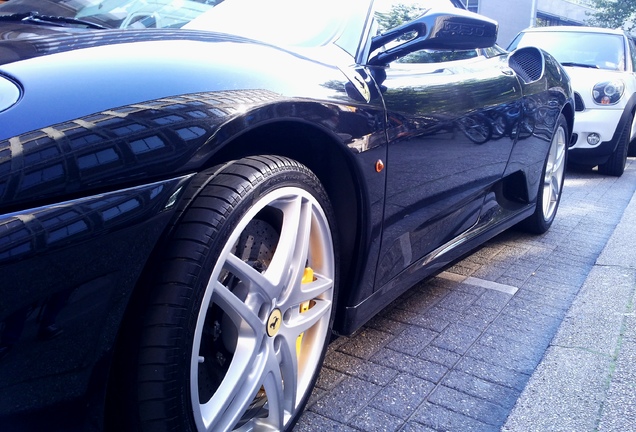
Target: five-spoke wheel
<point>240,317</point>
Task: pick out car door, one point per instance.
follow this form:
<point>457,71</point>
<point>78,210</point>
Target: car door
<point>449,143</point>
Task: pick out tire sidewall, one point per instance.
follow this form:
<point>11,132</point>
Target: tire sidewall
<point>538,223</point>
<point>293,175</point>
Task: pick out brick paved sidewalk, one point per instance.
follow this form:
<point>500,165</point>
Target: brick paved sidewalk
<point>587,379</point>
<point>456,352</point>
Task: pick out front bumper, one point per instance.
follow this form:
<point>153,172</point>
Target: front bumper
<point>607,123</point>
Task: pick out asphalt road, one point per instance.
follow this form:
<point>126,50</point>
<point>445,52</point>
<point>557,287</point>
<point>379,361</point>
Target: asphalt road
<point>458,352</point>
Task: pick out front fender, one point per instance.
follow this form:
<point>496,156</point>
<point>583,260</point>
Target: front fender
<point>121,122</point>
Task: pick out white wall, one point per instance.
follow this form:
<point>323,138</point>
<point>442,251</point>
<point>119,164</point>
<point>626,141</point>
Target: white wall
<point>516,15</point>
<point>512,16</point>
<point>564,9</point>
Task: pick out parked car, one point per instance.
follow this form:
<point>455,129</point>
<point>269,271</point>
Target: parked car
<point>601,63</point>
<point>195,196</point>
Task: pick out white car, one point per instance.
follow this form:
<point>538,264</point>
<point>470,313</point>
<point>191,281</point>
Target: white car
<point>601,64</point>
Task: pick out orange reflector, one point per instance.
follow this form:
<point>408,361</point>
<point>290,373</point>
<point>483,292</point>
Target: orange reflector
<point>379,165</point>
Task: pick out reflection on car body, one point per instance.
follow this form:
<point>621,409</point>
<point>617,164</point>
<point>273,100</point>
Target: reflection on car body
<point>193,199</point>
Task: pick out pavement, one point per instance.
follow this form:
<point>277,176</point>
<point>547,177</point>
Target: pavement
<point>528,333</point>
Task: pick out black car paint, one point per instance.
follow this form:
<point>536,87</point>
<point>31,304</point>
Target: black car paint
<point>96,177</point>
<point>96,150</point>
<point>465,199</point>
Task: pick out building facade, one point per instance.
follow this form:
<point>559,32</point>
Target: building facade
<point>515,15</point>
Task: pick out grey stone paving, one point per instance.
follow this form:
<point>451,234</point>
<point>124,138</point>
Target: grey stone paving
<point>457,352</point>
<point>587,379</point>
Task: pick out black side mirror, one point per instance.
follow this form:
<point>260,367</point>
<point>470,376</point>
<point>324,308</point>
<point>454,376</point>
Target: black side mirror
<point>436,29</point>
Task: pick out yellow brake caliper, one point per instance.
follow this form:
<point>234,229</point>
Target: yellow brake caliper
<point>308,276</point>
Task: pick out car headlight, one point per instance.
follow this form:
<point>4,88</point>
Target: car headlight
<point>9,93</point>
<point>608,92</point>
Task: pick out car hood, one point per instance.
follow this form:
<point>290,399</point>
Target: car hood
<point>20,41</point>
<point>585,78</point>
<point>111,87</point>
<point>66,75</point>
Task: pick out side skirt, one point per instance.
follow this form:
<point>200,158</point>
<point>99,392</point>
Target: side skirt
<point>487,228</point>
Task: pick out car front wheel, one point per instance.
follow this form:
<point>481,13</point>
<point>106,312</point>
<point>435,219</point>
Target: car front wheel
<point>237,325</point>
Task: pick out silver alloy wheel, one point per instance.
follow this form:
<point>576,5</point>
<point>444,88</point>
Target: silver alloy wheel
<point>554,173</point>
<point>275,320</point>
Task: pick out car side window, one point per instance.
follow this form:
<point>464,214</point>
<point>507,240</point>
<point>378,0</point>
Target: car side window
<point>437,56</point>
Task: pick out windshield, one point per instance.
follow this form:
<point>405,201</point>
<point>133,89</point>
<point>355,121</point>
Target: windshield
<point>117,13</point>
<point>584,49</point>
<point>289,22</point>
<point>281,22</point>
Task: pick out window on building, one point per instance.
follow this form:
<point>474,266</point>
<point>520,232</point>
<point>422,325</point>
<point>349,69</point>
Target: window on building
<point>546,20</point>
<point>472,5</point>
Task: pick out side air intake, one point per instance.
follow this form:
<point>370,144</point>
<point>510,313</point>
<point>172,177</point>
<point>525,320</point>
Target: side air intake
<point>527,63</point>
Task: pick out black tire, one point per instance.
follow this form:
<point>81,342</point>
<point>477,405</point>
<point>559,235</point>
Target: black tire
<point>552,180</point>
<point>632,149</point>
<point>236,326</point>
<point>615,166</point>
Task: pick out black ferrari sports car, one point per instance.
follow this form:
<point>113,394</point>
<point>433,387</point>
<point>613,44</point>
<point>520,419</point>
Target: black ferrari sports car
<point>197,195</point>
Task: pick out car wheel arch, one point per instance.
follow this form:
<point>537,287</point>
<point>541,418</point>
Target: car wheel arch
<point>633,131</point>
<point>339,177</point>
<point>627,123</point>
<point>629,113</point>
<point>569,112</point>
<point>324,153</point>
<point>632,143</point>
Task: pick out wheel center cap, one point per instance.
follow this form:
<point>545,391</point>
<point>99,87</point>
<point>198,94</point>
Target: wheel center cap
<point>274,322</point>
